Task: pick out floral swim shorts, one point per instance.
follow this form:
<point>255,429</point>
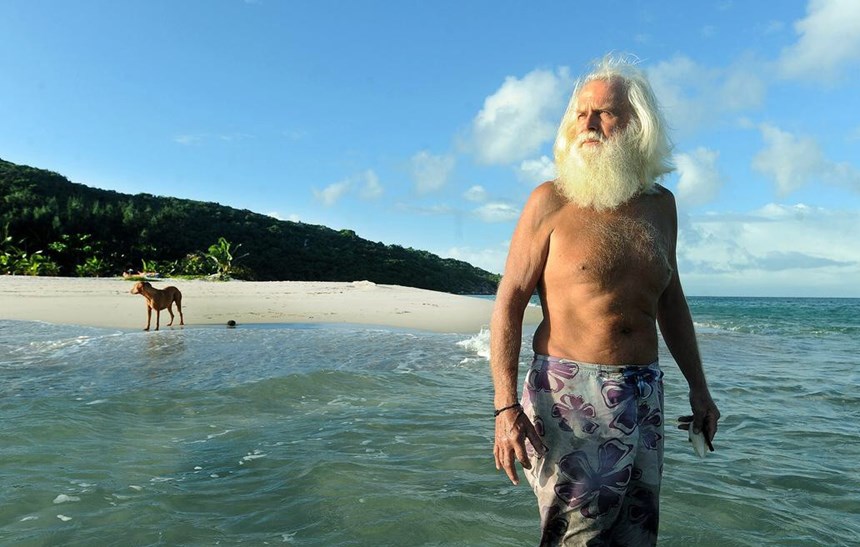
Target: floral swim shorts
<point>599,482</point>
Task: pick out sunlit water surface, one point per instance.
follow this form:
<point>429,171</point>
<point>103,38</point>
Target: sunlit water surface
<point>354,435</point>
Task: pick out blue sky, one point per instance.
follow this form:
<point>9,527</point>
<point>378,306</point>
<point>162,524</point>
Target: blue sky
<point>427,124</point>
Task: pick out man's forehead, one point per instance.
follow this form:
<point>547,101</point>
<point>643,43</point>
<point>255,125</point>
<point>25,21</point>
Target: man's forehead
<point>602,93</point>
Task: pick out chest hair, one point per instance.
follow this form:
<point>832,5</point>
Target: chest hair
<point>621,247</point>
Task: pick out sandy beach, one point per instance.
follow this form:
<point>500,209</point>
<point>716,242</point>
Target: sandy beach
<point>107,302</point>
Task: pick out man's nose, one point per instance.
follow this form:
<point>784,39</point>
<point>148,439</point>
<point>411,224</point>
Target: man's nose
<point>592,121</point>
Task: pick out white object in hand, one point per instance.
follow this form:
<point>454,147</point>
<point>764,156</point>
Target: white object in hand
<point>698,442</point>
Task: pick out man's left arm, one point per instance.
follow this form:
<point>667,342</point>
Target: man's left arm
<point>676,325</point>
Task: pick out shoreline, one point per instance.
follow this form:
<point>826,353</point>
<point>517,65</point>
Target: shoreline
<point>107,302</point>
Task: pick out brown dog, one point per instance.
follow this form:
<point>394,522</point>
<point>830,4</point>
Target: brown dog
<point>159,299</point>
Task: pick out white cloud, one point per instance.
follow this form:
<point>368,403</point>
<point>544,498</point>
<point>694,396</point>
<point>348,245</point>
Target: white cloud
<point>778,249</point>
<point>693,95</point>
<point>366,183</point>
<point>201,138</point>
<point>537,171</point>
<point>431,172</point>
<point>234,137</point>
<point>188,140</point>
<point>790,160</point>
<point>497,212</point>
<point>670,80</point>
<point>521,116</point>
<point>476,193</point>
<point>699,180</point>
<point>291,217</point>
<point>294,135</point>
<point>741,86</point>
<point>828,40</point>
<point>492,259</point>
<point>432,210</point>
<point>793,161</point>
<point>333,192</point>
<point>371,188</point>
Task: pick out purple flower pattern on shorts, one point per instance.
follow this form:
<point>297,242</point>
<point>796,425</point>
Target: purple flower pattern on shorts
<point>637,383</point>
<point>652,417</point>
<point>552,375</point>
<point>602,485</point>
<point>595,491</point>
<point>621,394</point>
<point>572,411</point>
<point>644,509</point>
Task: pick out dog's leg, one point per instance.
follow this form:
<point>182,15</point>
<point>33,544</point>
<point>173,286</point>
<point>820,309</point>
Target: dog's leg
<point>179,307</point>
<point>157,318</point>
<point>148,317</point>
<point>170,311</point>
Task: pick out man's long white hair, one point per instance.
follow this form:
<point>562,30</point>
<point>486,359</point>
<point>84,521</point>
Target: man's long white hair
<point>650,134</point>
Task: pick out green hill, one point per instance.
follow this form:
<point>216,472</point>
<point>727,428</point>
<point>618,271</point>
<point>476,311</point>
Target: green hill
<point>57,227</point>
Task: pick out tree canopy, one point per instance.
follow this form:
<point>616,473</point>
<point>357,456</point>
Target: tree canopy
<point>58,227</point>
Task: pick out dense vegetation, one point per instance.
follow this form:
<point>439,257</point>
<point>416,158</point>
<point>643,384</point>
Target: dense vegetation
<point>51,226</point>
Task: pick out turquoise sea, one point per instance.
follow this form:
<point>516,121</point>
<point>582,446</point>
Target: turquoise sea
<point>352,435</point>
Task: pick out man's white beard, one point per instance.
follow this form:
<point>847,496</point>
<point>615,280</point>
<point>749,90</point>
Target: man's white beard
<point>602,176</point>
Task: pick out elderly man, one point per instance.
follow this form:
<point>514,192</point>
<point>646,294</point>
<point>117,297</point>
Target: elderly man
<point>598,244</point>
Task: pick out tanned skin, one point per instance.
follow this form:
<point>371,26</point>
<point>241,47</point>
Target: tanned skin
<point>606,280</point>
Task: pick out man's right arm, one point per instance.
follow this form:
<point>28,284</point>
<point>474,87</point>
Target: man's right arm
<point>523,269</point>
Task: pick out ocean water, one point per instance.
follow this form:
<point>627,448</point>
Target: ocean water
<point>355,435</point>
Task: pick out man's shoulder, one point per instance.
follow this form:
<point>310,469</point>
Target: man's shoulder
<point>662,195</point>
<point>547,189</point>
<point>546,197</point>
<point>661,191</point>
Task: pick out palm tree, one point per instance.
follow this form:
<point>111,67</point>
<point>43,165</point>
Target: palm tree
<point>221,254</point>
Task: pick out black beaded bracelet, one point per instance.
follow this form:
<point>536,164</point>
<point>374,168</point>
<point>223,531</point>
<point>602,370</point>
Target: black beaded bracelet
<point>499,411</point>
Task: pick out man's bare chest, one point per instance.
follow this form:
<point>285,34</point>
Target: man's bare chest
<point>607,250</point>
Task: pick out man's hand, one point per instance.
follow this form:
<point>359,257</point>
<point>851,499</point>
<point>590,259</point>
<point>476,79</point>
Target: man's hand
<point>512,430</point>
<point>704,418</point>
